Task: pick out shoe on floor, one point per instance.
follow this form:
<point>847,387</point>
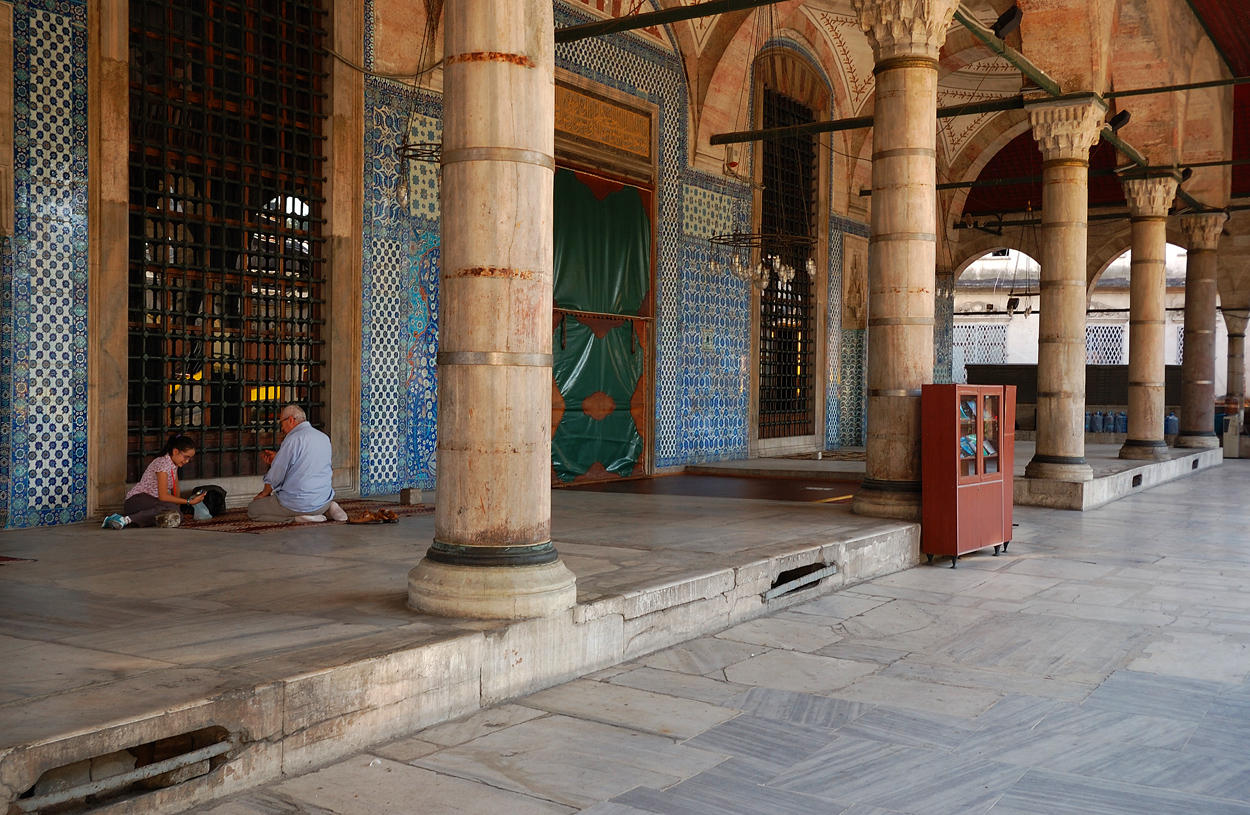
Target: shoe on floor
<point>309,519</point>
<point>335,512</point>
<point>114,521</point>
<point>169,519</point>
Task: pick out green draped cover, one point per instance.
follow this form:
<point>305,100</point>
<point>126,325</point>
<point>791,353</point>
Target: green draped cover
<point>602,265</point>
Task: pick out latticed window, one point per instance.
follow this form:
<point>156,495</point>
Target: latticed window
<point>1104,344</point>
<point>787,397</point>
<point>978,344</point>
<point>226,262</point>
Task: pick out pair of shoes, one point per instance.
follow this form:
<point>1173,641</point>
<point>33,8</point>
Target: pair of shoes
<point>114,521</point>
<point>169,519</point>
<point>335,512</point>
<point>377,516</point>
<point>309,519</point>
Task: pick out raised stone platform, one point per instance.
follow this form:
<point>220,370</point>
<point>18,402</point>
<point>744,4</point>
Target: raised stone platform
<point>237,658</point>
<point>1114,477</point>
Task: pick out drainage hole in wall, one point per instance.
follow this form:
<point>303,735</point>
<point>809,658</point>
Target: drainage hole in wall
<point>128,773</point>
<point>800,577</point>
<point>1194,465</point>
<point>1137,480</point>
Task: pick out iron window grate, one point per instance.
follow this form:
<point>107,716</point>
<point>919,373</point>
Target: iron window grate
<point>787,399</point>
<point>226,258</point>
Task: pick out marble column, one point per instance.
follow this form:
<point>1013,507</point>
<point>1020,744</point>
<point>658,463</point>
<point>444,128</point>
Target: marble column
<point>492,555</point>
<point>1065,130</point>
<point>1148,202</point>
<point>906,37</point>
<point>1202,235</point>
<point>1236,325</point>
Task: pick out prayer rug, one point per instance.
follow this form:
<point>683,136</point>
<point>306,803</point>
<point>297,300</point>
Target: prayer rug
<point>236,520</point>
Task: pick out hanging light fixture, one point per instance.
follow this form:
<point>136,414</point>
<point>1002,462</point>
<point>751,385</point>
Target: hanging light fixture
<point>409,149</point>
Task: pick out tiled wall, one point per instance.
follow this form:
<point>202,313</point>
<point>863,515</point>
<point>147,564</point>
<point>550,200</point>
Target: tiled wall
<point>43,269</point>
<point>846,419</point>
<point>399,294</point>
<point>714,350</point>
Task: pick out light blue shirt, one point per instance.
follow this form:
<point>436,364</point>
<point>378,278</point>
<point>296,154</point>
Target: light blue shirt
<point>300,474</point>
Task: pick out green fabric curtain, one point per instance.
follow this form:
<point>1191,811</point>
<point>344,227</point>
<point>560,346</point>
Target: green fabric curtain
<point>602,264</point>
<point>602,248</point>
<point>585,365</point>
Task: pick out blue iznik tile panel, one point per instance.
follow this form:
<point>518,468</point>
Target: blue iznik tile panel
<point>944,329</point>
<point>714,354</point>
<point>43,316</point>
<point>399,293</point>
<point>833,334</point>
<point>846,416</point>
<point>629,64</point>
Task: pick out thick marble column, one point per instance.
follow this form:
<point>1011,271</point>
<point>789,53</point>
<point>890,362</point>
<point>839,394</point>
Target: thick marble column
<point>492,555</point>
<point>1236,325</point>
<point>1065,131</point>
<point>1202,235</point>
<point>1148,202</point>
<point>906,37</point>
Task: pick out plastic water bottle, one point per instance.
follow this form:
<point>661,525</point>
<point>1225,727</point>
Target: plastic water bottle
<point>1095,422</point>
<point>1121,422</point>
<point>1171,424</point>
<point>1088,419</point>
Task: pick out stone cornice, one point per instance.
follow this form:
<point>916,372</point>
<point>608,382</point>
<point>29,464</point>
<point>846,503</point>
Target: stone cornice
<point>1203,231</point>
<point>1149,197</point>
<point>905,28</point>
<point>1065,130</point>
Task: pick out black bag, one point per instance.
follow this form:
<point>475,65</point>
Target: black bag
<point>214,500</point>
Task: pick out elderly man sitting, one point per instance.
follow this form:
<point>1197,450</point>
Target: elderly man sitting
<point>297,486</point>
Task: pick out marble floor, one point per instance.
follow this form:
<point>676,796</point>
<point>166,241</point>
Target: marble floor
<point>1100,666</point>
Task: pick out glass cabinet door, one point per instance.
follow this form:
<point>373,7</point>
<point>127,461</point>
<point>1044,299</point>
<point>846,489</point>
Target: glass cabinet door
<point>968,435</point>
<point>990,433</point>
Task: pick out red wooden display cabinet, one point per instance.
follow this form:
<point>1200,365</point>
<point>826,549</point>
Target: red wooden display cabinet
<point>967,436</point>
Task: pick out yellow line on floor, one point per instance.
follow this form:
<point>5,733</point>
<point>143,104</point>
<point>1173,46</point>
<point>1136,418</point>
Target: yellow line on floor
<point>831,500</point>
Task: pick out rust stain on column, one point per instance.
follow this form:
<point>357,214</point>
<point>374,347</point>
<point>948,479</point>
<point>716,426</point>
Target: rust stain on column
<point>492,56</point>
<point>493,271</point>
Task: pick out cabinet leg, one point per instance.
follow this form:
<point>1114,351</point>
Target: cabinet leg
<point>1005,545</point>
<point>954,560</point>
<point>996,548</point>
<point>930,557</point>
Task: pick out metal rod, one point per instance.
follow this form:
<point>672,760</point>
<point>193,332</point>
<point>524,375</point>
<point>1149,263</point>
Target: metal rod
<point>1037,75</point>
<point>120,780</point>
<point>601,28</point>
<point>857,122</point>
<point>1188,86</point>
<point>799,582</point>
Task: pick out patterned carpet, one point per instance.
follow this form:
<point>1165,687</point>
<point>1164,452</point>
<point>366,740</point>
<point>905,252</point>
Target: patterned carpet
<point>844,454</point>
<point>4,559</point>
<point>236,520</point>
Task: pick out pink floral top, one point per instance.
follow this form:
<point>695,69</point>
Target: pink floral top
<point>163,464</point>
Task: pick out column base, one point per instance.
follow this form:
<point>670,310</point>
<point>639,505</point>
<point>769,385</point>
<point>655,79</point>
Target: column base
<point>1200,441</point>
<point>879,498</point>
<point>1144,449</point>
<point>491,592</point>
<point>1059,468</point>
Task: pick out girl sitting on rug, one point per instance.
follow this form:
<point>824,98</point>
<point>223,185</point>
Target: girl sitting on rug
<point>154,500</point>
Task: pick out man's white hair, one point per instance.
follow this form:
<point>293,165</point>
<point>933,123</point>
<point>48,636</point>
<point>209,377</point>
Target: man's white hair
<point>294,411</point>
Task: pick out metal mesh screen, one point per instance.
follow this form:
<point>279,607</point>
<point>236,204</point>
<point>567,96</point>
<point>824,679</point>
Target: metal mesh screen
<point>1104,344</point>
<point>977,344</point>
<point>226,269</point>
<point>787,398</point>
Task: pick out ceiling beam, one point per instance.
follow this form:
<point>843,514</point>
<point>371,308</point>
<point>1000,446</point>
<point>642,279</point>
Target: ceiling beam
<point>631,22</point>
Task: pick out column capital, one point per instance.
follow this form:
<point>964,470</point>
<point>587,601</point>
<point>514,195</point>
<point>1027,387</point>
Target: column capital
<point>1203,231</point>
<point>1149,197</point>
<point>1066,129</point>
<point>1236,323</point>
<point>905,28</point>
